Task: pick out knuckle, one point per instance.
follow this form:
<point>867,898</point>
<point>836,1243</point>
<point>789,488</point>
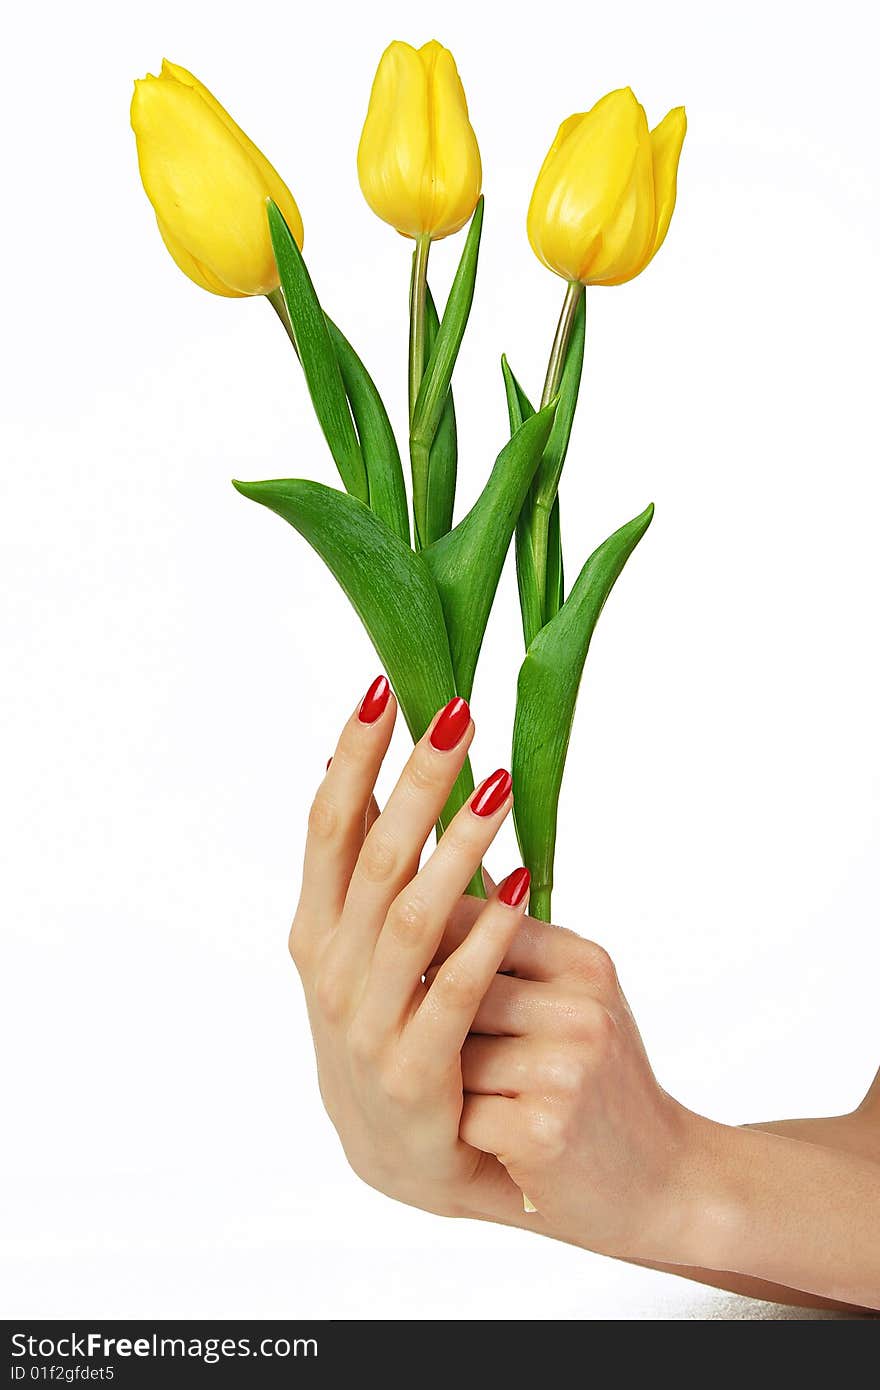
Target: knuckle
<point>363,1043</point>
<point>458,842</point>
<point>402,1085</point>
<point>296,945</point>
<point>596,964</point>
<point>378,856</point>
<point>545,1133</point>
<point>323,818</point>
<point>457,987</point>
<point>422,775</point>
<point>331,996</point>
<point>585,1020</point>
<point>563,1072</point>
<point>409,918</point>
<point>595,1025</point>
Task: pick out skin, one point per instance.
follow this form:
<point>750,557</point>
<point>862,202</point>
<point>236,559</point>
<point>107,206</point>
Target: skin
<point>468,1054</point>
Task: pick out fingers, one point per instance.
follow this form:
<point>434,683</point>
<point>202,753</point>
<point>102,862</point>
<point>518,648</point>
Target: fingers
<point>497,1066</point>
<point>390,854</point>
<point>337,817</point>
<point>516,1008</point>
<point>442,1021</point>
<point>416,918</point>
<point>488,1123</point>
<point>533,1066</point>
<point>539,951</point>
<point>372,815</point>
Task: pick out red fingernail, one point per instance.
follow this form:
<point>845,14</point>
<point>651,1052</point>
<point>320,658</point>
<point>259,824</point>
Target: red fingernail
<point>450,728</point>
<point>514,888</point>
<point>329,761</point>
<point>375,700</point>
<point>491,795</point>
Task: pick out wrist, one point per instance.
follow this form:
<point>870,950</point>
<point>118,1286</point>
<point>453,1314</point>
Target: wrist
<point>709,1210</point>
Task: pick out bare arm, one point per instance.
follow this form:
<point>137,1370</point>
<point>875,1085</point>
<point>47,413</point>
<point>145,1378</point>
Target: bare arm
<point>857,1135</point>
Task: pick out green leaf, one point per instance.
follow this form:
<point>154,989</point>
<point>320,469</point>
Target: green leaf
<point>391,590</point>
<point>378,444</point>
<point>555,595</point>
<point>443,456</point>
<point>467,563</point>
<point>441,363</point>
<point>319,361</point>
<point>520,408</point>
<point>546,696</point>
<point>541,580</point>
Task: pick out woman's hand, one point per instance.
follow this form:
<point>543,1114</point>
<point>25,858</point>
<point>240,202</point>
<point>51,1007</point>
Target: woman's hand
<point>456,1088</point>
<point>559,1087</point>
<point>366,929</point>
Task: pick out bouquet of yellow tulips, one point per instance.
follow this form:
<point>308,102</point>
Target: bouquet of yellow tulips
<point>600,210</point>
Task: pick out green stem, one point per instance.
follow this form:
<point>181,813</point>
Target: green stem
<point>541,550</point>
<point>419,453</point>
<point>560,342</point>
<point>276,299</point>
<point>543,506</point>
<point>539,901</point>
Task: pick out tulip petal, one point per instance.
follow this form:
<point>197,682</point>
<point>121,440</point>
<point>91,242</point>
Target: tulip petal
<point>455,175</point>
<point>277,188</point>
<point>199,274</point>
<point>666,143</point>
<point>393,152</point>
<point>628,229</point>
<point>588,211</point>
<point>205,188</point>
<point>418,159</point>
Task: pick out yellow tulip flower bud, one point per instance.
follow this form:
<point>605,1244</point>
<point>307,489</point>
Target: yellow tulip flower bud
<point>208,184</point>
<point>418,159</point>
<point>605,195</point>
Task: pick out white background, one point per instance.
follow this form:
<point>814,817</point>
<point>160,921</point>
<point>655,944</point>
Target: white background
<point>177,662</point>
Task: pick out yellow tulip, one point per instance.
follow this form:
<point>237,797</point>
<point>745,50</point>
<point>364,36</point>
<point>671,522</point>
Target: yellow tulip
<point>418,159</point>
<point>605,195</point>
<point>208,184</point>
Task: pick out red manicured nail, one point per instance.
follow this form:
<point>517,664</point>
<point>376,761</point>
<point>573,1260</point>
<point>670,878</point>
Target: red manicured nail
<point>451,725</point>
<point>329,761</point>
<point>375,700</point>
<point>491,795</point>
<point>514,888</point>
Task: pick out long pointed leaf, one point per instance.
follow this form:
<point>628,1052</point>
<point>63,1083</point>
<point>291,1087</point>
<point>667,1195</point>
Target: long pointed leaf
<point>520,408</point>
<point>378,444</point>
<point>319,362</point>
<point>390,589</point>
<point>467,563</point>
<point>534,612</point>
<point>546,696</point>
<point>438,372</point>
<point>555,595</point>
<point>443,456</point>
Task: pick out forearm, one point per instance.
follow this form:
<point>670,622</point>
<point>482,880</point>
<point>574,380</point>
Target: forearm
<point>782,1217</point>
